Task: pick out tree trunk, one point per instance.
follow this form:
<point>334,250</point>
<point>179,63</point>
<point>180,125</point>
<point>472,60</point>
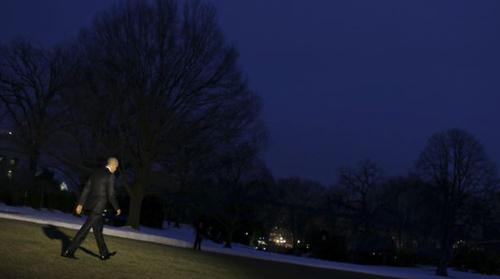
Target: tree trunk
<point>229,236</point>
<point>32,178</point>
<point>135,210</point>
<point>42,197</point>
<point>444,261</point>
<point>442,269</point>
<point>33,164</point>
<point>384,256</point>
<point>177,217</point>
<point>446,241</point>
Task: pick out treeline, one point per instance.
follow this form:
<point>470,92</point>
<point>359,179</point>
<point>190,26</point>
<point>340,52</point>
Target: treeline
<point>445,212</point>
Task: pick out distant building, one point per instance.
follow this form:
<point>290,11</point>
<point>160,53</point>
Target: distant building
<point>14,161</point>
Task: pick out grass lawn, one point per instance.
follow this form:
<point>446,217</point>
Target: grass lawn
<point>30,251</point>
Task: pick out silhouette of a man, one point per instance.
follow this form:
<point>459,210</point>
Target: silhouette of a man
<point>95,196</point>
<point>199,236</point>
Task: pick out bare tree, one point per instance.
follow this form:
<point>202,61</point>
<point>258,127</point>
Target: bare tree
<point>32,79</point>
<point>406,218</point>
<point>300,202</point>
<point>358,192</point>
<point>360,186</point>
<point>236,187</point>
<point>456,166</point>
<point>160,77</point>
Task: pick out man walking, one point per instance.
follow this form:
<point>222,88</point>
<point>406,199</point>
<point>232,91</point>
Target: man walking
<point>200,232</point>
<point>96,193</point>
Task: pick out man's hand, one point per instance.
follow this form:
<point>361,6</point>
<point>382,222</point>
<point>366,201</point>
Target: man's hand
<point>79,209</point>
<point>118,212</point>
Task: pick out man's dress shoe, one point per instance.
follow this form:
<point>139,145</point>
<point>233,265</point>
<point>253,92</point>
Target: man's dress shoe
<point>67,255</point>
<point>107,256</point>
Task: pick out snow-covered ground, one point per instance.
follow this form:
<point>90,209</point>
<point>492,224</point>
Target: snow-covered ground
<point>184,237</point>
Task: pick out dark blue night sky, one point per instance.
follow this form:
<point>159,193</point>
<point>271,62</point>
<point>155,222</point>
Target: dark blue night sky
<point>341,81</point>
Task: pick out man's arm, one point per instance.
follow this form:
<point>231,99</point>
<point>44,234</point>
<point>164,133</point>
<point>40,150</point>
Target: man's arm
<point>111,194</point>
<point>83,197</point>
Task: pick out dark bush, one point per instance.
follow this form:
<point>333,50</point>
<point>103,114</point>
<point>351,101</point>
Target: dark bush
<point>12,197</point>
<point>481,259</point>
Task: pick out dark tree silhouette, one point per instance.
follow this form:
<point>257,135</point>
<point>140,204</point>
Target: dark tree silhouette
<point>159,78</point>
<point>236,188</point>
<point>32,80</point>
<point>360,202</point>
<point>456,166</point>
<point>300,202</point>
<point>405,218</point>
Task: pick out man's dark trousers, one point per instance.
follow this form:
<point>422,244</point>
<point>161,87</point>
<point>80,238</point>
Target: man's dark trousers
<point>94,221</point>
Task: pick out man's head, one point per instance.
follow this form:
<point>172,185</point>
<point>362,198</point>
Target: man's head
<point>112,164</point>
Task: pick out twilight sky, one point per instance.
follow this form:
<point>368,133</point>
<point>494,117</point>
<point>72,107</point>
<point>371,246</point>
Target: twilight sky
<point>341,81</point>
